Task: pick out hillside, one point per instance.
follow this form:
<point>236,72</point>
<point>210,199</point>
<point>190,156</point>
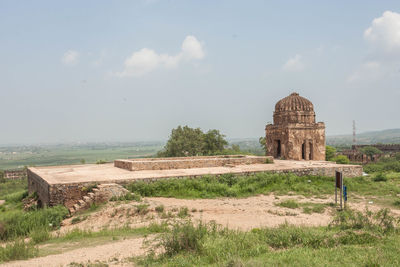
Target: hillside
<point>390,136</point>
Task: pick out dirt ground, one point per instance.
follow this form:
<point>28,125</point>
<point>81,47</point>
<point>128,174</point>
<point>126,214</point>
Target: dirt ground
<point>235,213</point>
<point>242,213</point>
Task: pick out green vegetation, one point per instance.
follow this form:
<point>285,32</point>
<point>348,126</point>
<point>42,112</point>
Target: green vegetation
<point>291,204</point>
<point>341,159</point>
<point>370,151</point>
<point>17,157</point>
<point>330,152</point>
<point>361,237</point>
<point>308,207</point>
<point>384,165</point>
<point>186,141</point>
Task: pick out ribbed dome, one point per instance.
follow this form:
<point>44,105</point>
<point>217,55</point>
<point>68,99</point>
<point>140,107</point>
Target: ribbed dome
<point>294,102</point>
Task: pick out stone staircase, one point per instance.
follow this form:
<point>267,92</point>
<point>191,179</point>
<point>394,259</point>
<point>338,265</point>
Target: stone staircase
<point>100,194</point>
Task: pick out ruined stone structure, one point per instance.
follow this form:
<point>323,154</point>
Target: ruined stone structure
<point>294,133</point>
<point>355,154</point>
<point>14,174</point>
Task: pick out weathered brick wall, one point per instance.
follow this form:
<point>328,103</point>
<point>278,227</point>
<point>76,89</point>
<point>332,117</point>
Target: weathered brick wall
<point>186,163</point>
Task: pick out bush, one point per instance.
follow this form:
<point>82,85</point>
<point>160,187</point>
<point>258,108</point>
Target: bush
<point>18,250</point>
<point>19,223</point>
<point>142,209</point>
<point>183,212</point>
<point>160,209</point>
<point>383,165</point>
<point>184,237</point>
<point>380,222</point>
<point>330,152</point>
<point>341,159</point>
<point>380,177</point>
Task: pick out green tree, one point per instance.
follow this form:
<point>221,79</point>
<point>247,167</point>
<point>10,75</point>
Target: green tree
<point>330,152</point>
<point>186,141</point>
<point>214,142</point>
<point>263,142</point>
<point>370,151</point>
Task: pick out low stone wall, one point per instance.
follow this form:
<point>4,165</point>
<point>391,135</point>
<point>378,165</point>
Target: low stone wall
<point>189,162</point>
<point>69,194</point>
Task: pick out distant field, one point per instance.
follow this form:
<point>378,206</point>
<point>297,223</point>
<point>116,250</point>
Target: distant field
<point>18,157</point>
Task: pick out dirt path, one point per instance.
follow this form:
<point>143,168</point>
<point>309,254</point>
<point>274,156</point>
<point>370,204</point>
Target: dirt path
<point>114,254</point>
<point>236,213</point>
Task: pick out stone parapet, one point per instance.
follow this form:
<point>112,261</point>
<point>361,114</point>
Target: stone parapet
<point>189,162</point>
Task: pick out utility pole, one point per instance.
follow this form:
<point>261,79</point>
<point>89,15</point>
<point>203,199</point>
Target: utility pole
<point>354,132</point>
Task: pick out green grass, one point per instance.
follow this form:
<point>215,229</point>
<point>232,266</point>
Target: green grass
<point>265,183</point>
<point>365,235</point>
<point>291,204</point>
<point>308,207</point>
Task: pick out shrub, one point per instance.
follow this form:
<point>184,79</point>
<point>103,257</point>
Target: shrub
<point>142,209</point>
<point>19,223</point>
<point>100,161</point>
<point>160,209</point>
<point>183,212</point>
<point>40,235</point>
<point>380,222</point>
<point>341,159</point>
<point>18,250</point>
<point>380,177</point>
<point>184,236</point>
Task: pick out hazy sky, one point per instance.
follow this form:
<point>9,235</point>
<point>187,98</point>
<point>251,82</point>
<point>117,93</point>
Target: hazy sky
<point>133,70</point>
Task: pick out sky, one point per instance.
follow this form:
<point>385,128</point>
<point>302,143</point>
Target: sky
<point>93,71</point>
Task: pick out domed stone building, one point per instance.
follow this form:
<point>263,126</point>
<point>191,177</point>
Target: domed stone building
<point>294,133</point>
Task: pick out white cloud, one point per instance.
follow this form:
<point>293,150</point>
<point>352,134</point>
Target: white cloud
<point>71,57</point>
<point>384,33</point>
<point>383,36</point>
<point>146,60</point>
<point>294,64</point>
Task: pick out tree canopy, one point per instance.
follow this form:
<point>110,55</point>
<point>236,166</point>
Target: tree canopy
<point>330,152</point>
<point>186,141</point>
<point>370,151</point>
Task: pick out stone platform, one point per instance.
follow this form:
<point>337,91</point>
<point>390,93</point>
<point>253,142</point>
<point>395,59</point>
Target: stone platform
<point>67,184</point>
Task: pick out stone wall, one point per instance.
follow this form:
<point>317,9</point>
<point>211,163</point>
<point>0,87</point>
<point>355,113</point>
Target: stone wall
<point>40,186</point>
<point>14,174</point>
<point>189,162</point>
<point>69,194</point>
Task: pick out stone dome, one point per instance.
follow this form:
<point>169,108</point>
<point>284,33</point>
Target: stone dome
<point>294,109</point>
<point>294,102</point>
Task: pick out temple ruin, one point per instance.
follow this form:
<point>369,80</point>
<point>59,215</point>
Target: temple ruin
<point>295,134</point>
